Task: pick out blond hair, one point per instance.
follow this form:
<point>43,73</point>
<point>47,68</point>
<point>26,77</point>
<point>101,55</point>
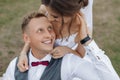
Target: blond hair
<point>28,18</point>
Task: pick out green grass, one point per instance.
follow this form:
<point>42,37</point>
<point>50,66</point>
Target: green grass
<point>11,14</point>
<point>0,53</point>
<point>106,28</point>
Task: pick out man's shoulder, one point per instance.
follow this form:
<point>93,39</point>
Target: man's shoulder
<point>13,62</point>
<point>73,58</point>
<point>70,63</point>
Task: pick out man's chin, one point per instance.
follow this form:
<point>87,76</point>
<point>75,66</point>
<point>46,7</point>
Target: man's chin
<point>49,50</point>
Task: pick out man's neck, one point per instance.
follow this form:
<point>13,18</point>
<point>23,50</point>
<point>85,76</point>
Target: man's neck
<point>39,54</point>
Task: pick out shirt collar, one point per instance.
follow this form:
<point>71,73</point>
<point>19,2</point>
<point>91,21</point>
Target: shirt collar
<point>33,59</point>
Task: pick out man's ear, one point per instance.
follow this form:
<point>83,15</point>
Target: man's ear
<point>26,38</point>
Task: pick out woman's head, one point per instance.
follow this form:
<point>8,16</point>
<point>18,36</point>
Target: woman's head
<point>65,7</point>
<point>62,12</point>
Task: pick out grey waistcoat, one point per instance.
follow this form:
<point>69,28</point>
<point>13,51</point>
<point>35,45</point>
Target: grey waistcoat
<point>51,72</point>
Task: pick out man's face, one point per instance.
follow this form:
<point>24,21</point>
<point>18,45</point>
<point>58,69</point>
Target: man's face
<point>41,35</point>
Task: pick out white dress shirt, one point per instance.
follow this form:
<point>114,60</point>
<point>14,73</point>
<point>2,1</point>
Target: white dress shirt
<point>34,73</point>
<point>93,54</point>
<point>98,57</point>
<point>73,67</point>
<point>88,14</point>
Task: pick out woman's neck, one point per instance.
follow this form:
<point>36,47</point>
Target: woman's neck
<point>69,27</point>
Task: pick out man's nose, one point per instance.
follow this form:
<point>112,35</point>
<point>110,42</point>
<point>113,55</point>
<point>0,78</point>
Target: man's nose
<point>48,34</point>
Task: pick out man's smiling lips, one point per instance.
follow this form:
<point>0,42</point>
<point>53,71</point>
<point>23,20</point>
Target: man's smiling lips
<point>48,42</point>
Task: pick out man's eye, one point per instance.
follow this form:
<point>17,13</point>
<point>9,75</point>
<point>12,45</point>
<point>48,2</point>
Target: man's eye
<point>40,30</point>
<point>50,28</point>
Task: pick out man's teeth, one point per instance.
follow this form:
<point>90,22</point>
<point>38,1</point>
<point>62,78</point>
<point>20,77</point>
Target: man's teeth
<point>47,42</point>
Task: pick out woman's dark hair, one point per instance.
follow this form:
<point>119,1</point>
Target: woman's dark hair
<point>66,7</point>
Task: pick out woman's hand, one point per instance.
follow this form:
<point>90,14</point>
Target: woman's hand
<point>23,60</point>
<point>60,51</point>
<point>42,9</point>
<point>22,63</point>
<point>84,32</point>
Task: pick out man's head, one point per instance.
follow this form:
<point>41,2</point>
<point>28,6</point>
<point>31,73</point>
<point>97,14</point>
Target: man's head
<point>38,31</point>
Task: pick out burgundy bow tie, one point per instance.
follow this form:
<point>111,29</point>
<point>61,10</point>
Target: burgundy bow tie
<point>40,63</point>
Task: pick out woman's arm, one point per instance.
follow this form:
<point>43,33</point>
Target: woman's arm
<point>101,62</point>
<point>60,51</point>
<point>88,14</point>
<point>23,60</point>
<point>80,51</point>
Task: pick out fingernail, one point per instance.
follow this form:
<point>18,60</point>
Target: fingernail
<point>26,68</point>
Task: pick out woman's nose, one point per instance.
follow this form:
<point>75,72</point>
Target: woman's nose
<point>51,19</point>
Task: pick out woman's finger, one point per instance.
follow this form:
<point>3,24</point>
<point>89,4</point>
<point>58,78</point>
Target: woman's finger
<point>26,65</point>
<point>57,56</point>
<point>54,52</point>
<point>21,67</point>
